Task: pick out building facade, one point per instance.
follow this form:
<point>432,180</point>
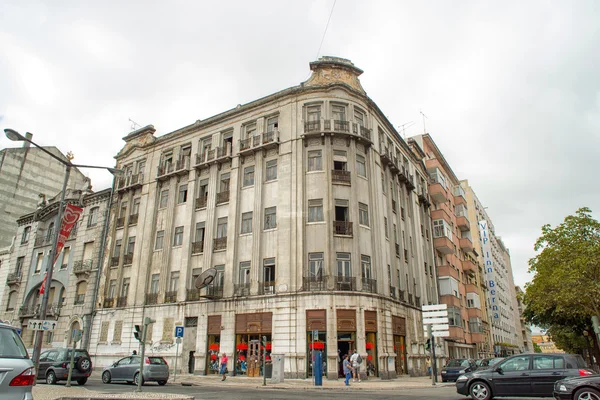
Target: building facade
<point>71,296</point>
<point>527,346</point>
<point>304,202</point>
<point>29,176</point>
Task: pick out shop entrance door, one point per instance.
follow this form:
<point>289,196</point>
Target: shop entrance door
<point>254,358</point>
<point>400,348</point>
<point>345,347</point>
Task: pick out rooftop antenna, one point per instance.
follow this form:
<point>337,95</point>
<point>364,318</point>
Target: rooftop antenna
<point>134,125</point>
<point>404,126</point>
<point>424,117</point>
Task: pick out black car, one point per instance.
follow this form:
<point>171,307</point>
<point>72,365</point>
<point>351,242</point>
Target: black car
<point>488,362</point>
<point>578,388</point>
<point>54,366</point>
<point>457,367</point>
<point>523,375</point>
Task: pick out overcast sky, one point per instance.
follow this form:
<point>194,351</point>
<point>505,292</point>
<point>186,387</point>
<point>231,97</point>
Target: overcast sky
<point>511,89</point>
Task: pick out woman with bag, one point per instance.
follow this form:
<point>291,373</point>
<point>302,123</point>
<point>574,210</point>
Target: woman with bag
<point>223,370</point>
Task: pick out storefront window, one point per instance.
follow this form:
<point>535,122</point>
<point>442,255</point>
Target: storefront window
<point>371,346</point>
<point>249,353</point>
<point>316,343</point>
<point>212,358</point>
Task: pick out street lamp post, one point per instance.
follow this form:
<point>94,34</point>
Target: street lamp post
<point>15,136</point>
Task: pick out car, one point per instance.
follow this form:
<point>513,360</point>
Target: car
<point>578,388</point>
<point>488,362</point>
<point>17,373</point>
<point>522,375</point>
<point>54,365</point>
<point>456,367</point>
<point>127,369</point>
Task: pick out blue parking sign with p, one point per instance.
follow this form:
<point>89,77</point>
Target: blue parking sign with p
<point>179,331</point>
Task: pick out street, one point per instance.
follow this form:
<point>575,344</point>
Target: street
<point>238,393</point>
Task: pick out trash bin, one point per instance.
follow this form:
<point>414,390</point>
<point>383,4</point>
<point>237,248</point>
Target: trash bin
<point>268,370</point>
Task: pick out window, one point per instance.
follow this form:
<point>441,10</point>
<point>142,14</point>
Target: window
<point>244,278</point>
<point>195,274</point>
<point>473,300</point>
<point>315,160</point>
<point>112,288</point>
<point>344,267</point>
<point>475,325</point>
<point>123,210</point>
<point>249,176</point>
<point>315,265</point>
<point>272,123</point>
<point>341,210</point>
<point>141,166</point>
<point>26,233</point>
<point>93,218</point>
<point>154,283</point>
<point>80,294</point>
<point>199,235</point>
<point>174,281</point>
<point>271,170</point>
<point>454,318</point>
<point>130,245</point>
<point>340,160</point>
<point>365,262</point>
<point>383,182</point>
<point>203,193</point>
<point>271,218</point>
<point>448,286</point>
<point>12,300</point>
<point>441,229</point>
<point>548,362</point>
<point>313,113</point>
<point>39,262</point>
<point>359,117</point>
<point>250,130</point>
<point>117,252</point>
<point>385,226</point>
<point>520,363</point>
<point>222,228</point>
<point>269,270</point>
<point>361,167</point>
<point>205,146</point>
<point>158,243</point>
<point>164,198</point>
<point>315,210</point>
<point>135,209</point>
<point>247,222</point>
<point>363,214</point>
<point>65,258</point>
<point>125,287</point>
<point>182,196</point>
<point>338,112</point>
<point>178,237</point>
<point>220,277</point>
<point>19,267</point>
<point>224,184</point>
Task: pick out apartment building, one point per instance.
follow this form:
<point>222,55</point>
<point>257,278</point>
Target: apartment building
<point>310,207</point>
<point>455,256</point>
<point>527,346</point>
<point>71,296</point>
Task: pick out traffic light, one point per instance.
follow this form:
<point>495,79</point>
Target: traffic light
<point>428,344</point>
<point>138,332</point>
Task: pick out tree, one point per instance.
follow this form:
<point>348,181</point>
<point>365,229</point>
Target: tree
<point>536,348</point>
<point>565,290</point>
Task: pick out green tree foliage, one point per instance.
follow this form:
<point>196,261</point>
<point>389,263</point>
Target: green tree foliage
<point>536,348</point>
<point>569,339</point>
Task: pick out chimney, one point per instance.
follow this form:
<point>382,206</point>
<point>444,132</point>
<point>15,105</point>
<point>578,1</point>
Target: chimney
<point>28,135</point>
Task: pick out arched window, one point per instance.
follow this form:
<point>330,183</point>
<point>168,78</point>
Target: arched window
<point>81,289</point>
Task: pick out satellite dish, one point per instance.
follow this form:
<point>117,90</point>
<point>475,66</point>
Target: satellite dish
<point>205,278</point>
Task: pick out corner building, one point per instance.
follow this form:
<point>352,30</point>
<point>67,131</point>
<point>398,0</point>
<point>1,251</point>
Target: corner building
<point>306,202</point>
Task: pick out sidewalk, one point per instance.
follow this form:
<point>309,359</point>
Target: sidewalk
<point>307,384</point>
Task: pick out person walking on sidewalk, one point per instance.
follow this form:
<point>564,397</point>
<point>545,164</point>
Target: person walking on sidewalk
<point>347,369</point>
<point>223,370</point>
<point>356,360</point>
<point>428,365</point>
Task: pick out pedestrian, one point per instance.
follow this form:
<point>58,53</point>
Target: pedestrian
<point>223,370</point>
<point>428,365</point>
<point>356,360</point>
<point>134,353</point>
<point>347,369</point>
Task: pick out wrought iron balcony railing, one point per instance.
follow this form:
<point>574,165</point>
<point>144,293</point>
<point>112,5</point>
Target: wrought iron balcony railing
<point>82,266</point>
<point>266,287</point>
<point>314,283</point>
<point>340,176</point>
<point>121,301</point>
<point>342,228</point>
<point>201,202</point>
<point>109,302</point>
<point>223,197</point>
<point>114,261</point>
<point>120,222</point>
<point>133,219</point>
<point>13,277</point>
<point>242,289</point>
<point>220,243</point>
<point>345,283</point>
<point>215,292</point>
<point>128,259</point>
<point>151,298</point>
<point>171,296</point>
<point>369,285</point>
<point>198,247</point>
<point>192,295</point>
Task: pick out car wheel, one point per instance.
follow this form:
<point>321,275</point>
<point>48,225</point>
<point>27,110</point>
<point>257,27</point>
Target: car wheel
<point>587,394</point>
<point>81,381</point>
<point>480,391</point>
<point>106,377</point>
<point>51,378</point>
<point>136,377</point>
<point>83,364</point>
<point>162,383</point>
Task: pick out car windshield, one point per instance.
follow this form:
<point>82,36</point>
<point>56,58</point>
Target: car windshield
<point>458,363</point>
<point>11,345</point>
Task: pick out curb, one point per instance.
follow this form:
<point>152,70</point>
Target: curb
<point>321,388</point>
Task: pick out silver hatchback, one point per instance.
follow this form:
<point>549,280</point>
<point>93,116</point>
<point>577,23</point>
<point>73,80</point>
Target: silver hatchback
<point>127,369</point>
<point>17,373</point>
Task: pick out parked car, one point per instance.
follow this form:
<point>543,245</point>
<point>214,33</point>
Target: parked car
<point>523,375</point>
<point>54,365</point>
<point>488,362</point>
<point>578,388</point>
<point>457,367</point>
<point>17,374</point>
<point>127,369</point>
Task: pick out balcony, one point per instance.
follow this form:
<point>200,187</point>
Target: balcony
<point>220,243</point>
<point>201,202</point>
<point>417,301</point>
<point>477,337</point>
<point>79,299</point>
<point>13,278</point>
<point>266,287</point>
<point>397,250</point>
<point>223,197</point>
<point>432,164</point>
<point>424,197</point>
<point>241,289</point>
<point>168,169</point>
<point>171,297</point>
<point>192,295</point>
<point>369,285</point>
<point>29,311</point>
<point>474,313</point>
<point>343,228</point>
<point>151,298</point>
<point>259,142</point>
<point>470,288</point>
<point>457,333</point>
<point>437,193</point>
<point>401,295</point>
<point>469,267</point>
<point>466,244</point>
<point>345,283</point>
<point>214,292</point>
<point>120,222</point>
<point>410,299</point>
<point>392,292</point>
<point>109,302</point>
<point>450,300</point>
<point>386,156</point>
<point>53,310</point>
<point>82,267</point>
<point>314,283</point>
<point>444,245</point>
<point>340,177</point>
<point>410,183</point>
<point>130,182</point>
<point>441,214</point>
<point>312,126</point>
<point>114,261</point>
<point>463,223</point>
<point>459,196</point>
<point>43,240</point>
<point>198,247</point>
<point>346,128</point>
<point>217,155</point>
<point>122,301</point>
<point>447,270</point>
<point>133,219</point>
<point>128,259</point>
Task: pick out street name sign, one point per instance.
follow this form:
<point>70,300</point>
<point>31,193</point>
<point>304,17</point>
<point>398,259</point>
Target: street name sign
<point>42,325</point>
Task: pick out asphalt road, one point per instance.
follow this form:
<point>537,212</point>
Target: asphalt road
<point>237,393</point>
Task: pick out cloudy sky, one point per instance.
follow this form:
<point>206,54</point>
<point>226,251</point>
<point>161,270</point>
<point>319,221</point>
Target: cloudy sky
<point>511,89</point>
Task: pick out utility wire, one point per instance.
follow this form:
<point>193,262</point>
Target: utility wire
<point>325,33</point>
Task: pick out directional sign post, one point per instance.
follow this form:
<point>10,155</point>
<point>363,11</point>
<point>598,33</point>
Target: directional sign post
<point>42,325</point>
<point>435,324</point>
